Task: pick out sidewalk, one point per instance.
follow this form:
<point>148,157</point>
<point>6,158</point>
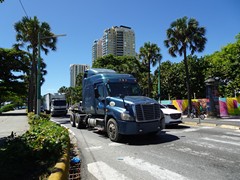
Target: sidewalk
<point>232,122</point>
<point>13,121</point>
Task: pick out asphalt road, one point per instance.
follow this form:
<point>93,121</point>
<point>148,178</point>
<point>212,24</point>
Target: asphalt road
<point>175,153</point>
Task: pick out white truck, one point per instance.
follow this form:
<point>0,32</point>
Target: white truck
<point>55,104</point>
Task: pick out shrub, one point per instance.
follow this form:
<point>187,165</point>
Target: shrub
<point>33,154</point>
<point>7,107</point>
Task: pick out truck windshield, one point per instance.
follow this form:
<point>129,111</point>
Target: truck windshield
<point>59,103</point>
<point>124,88</point>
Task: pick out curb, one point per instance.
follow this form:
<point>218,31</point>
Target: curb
<point>212,125</point>
<point>229,127</point>
<point>60,170</point>
<point>208,124</point>
<point>62,167</point>
<point>189,123</point>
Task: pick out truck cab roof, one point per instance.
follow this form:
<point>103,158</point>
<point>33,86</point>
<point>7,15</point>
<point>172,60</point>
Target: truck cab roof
<point>108,78</point>
<point>90,72</point>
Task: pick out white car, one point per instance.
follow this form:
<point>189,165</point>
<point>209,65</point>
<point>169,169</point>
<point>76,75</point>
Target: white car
<point>172,116</point>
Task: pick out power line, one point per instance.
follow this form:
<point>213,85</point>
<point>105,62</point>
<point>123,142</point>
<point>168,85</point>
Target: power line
<point>23,8</point>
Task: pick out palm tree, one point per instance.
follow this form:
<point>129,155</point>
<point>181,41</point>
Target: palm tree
<point>150,54</point>
<point>184,35</point>
<point>27,34</point>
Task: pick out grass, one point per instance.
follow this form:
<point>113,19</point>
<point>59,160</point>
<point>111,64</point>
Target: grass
<point>33,155</point>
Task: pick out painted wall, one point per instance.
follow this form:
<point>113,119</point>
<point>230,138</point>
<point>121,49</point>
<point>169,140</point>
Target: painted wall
<point>227,106</point>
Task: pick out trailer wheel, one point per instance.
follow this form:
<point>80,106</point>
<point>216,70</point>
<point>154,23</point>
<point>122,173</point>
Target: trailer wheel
<point>72,120</point>
<point>112,130</point>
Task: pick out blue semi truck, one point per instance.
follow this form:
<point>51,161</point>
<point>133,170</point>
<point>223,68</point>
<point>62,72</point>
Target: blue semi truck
<point>114,103</point>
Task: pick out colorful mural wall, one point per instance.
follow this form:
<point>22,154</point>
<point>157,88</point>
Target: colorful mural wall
<point>227,106</point>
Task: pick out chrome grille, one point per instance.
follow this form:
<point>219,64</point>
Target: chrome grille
<point>175,116</point>
<point>147,112</point>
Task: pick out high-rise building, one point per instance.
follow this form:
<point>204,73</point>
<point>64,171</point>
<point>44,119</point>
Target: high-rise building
<point>96,49</point>
<point>75,69</point>
<point>118,41</point>
<point>108,42</point>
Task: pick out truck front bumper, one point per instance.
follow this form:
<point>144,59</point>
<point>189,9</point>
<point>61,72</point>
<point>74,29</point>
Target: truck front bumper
<point>131,127</point>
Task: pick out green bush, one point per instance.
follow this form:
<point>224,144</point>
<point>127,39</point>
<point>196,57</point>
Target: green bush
<point>33,154</point>
<point>7,107</point>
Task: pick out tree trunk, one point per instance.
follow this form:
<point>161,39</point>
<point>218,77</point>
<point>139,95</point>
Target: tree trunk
<point>188,84</point>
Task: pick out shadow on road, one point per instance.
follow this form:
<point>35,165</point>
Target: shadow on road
<point>141,140</point>
<point>177,127</point>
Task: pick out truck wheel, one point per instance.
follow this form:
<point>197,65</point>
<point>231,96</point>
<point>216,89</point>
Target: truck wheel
<point>112,130</point>
<point>163,125</point>
<point>79,123</point>
<point>72,120</point>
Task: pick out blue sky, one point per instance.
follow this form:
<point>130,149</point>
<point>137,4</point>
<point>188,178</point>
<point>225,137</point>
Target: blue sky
<point>84,21</point>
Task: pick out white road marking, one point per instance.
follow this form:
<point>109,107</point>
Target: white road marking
<point>220,141</point>
<point>190,151</point>
<point>182,131</point>
<point>202,153</point>
<point>206,127</point>
<point>156,171</point>
<point>230,137</point>
<point>234,134</point>
<point>93,148</point>
<point>114,144</point>
<point>190,130</point>
<point>104,172</point>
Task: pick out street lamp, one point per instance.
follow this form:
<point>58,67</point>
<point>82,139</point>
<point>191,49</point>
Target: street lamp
<point>39,70</point>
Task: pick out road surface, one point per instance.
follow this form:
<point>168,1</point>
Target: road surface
<point>176,153</point>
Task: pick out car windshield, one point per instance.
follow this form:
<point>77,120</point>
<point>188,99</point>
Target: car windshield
<point>123,88</point>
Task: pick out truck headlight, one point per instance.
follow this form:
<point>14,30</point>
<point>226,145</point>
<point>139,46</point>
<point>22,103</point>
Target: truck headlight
<point>126,116</point>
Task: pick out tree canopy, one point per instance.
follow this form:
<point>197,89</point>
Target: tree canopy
<point>225,66</point>
<point>14,66</point>
<point>30,33</point>
<point>185,34</point>
<point>149,55</point>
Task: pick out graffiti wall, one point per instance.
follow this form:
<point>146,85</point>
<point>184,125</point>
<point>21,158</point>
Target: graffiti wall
<point>227,106</point>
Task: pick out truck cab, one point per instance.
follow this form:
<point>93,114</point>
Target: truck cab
<point>55,104</point>
<point>113,103</point>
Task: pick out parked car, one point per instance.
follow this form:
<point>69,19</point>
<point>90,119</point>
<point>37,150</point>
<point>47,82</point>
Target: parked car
<point>171,106</point>
<point>172,116</point>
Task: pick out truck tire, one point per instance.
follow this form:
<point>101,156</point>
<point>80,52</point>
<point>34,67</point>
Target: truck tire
<point>72,120</point>
<point>78,122</point>
<point>112,130</point>
<point>163,125</point>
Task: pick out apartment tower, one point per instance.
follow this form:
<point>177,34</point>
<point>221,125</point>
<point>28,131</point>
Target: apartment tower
<point>75,69</point>
<point>118,41</point>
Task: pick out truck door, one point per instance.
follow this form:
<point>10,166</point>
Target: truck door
<point>100,99</point>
